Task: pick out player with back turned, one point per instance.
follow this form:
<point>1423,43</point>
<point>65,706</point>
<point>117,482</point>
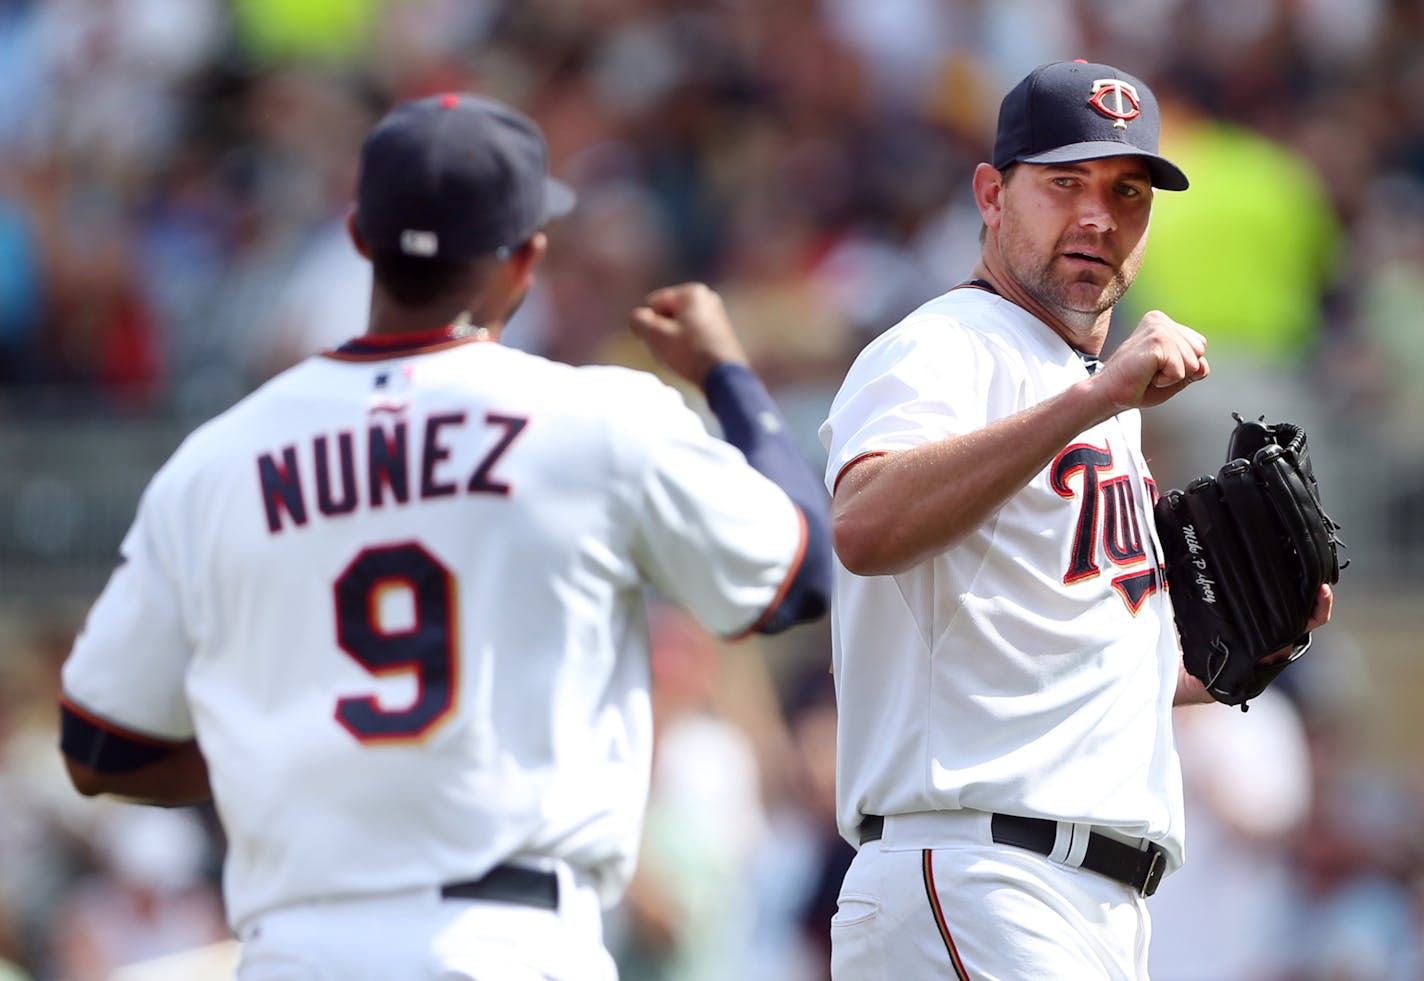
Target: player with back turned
<point>1004,650</point>
<point>389,610</point>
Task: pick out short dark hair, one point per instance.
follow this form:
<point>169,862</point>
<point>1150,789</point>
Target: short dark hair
<point>413,281</point>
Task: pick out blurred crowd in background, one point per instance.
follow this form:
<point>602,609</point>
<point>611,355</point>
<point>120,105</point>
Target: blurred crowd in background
<point>174,180</point>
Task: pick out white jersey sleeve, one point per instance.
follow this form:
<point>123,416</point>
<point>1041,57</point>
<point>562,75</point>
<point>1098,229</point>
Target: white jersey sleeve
<point>908,387</point>
<point>713,534</point>
<point>141,608</point>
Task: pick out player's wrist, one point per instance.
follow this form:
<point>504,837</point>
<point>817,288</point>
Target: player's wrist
<point>1088,402</point>
<point>718,370</point>
<point>1191,690</point>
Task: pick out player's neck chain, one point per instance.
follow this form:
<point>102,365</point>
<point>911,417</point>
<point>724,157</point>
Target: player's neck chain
<point>461,326</point>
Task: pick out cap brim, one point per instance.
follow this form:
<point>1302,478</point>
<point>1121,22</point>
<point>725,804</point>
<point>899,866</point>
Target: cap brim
<point>559,198</point>
<point>1165,174</point>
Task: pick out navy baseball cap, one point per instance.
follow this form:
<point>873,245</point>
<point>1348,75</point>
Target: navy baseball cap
<point>455,176</point>
<point>1071,111</point>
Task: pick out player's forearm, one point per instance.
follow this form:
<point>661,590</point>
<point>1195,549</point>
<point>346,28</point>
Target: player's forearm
<point>894,511</point>
<point>179,778</point>
<point>751,422</point>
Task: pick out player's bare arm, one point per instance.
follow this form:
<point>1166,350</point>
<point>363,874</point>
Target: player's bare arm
<point>177,779</point>
<point>687,328</point>
<point>958,483</point>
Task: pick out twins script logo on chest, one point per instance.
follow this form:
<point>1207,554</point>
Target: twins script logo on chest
<point>1111,527</point>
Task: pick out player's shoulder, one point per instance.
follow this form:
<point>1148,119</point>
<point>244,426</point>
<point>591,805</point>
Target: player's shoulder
<point>957,321</point>
<point>629,416</point>
<point>597,377</point>
<point>607,390</point>
<point>219,435</point>
<point>626,387</point>
<point>277,396</point>
<point>614,384</point>
<point>965,310</point>
<point>605,404</point>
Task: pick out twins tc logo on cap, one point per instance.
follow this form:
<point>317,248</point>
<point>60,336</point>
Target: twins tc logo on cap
<point>1116,99</point>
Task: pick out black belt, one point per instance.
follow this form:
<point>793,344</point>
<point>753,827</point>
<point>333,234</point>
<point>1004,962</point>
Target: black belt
<point>1115,859</point>
<point>509,884</point>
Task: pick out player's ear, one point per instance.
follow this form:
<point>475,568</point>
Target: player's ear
<point>355,234</point>
<point>527,256</point>
<point>989,193</point>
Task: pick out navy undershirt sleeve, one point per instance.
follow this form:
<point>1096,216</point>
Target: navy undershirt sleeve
<point>753,424</point>
<point>108,752</point>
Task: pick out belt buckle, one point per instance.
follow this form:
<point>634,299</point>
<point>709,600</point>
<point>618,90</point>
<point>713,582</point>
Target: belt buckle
<point>1156,868</point>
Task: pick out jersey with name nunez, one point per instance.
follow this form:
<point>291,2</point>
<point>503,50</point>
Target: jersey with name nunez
<point>401,604</point>
<point>1031,667</point>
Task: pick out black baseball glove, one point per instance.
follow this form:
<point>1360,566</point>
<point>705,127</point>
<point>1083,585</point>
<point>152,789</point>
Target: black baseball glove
<point>1246,552</point>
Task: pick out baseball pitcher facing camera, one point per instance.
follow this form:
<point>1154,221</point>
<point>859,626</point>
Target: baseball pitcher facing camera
<point>1005,655</point>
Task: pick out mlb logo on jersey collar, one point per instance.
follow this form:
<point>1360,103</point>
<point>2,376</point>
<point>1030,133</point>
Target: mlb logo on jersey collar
<point>399,380</point>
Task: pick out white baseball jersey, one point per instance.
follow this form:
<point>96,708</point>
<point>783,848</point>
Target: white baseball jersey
<point>1029,669</point>
<point>398,597</point>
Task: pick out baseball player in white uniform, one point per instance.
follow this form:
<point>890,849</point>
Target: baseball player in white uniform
<point>1004,651</point>
<point>389,609</point>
